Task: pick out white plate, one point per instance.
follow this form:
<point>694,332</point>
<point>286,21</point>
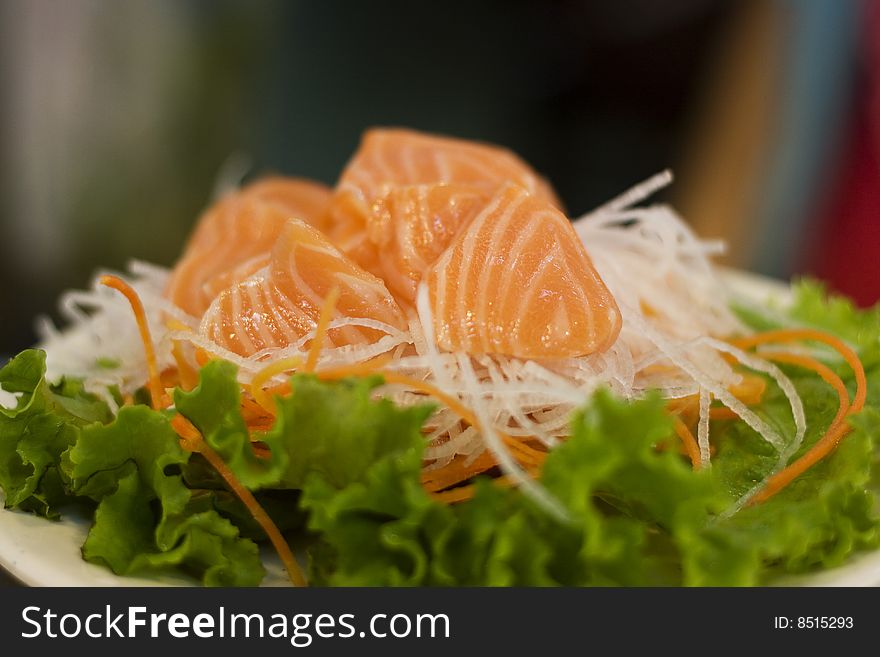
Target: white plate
<point>39,552</point>
<point>43,553</point>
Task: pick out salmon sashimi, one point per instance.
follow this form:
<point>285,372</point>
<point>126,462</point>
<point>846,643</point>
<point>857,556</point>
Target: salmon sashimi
<point>229,277</point>
<point>306,199</point>
<point>280,303</point>
<point>411,227</point>
<point>506,272</point>
<point>390,159</point>
<point>234,233</point>
<point>518,281</point>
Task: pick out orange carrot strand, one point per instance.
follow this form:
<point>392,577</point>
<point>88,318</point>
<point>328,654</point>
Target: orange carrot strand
<point>193,441</point>
<point>158,398</point>
<point>792,335</point>
<point>838,428</point>
<point>722,413</point>
<point>189,377</point>
<point>689,442</point>
<point>828,375</point>
<point>264,397</point>
<point>327,310</point>
<point>259,514</point>
<point>527,454</point>
<point>826,444</point>
<point>457,471</point>
<point>372,366</point>
<point>186,430</point>
<point>464,493</point>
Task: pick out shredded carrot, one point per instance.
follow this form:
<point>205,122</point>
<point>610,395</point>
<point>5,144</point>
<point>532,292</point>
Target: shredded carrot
<point>250,408</point>
<point>750,390</point>
<point>528,455</point>
<point>792,335</point>
<point>192,440</point>
<point>683,405</point>
<point>689,442</point>
<point>838,428</point>
<point>375,366</point>
<point>463,493</point>
<point>264,397</point>
<point>189,378</point>
<point>169,378</point>
<point>253,412</point>
<point>372,366</point>
<point>456,471</point>
<point>259,514</point>
<point>203,357</point>
<point>261,451</point>
<point>722,413</point>
<point>327,310</point>
<point>158,397</point>
<point>189,435</point>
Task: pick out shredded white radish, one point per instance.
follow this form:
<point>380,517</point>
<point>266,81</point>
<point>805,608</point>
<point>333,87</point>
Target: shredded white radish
<point>638,193</point>
<point>680,359</point>
<point>7,399</point>
<point>675,312</point>
<point>785,384</point>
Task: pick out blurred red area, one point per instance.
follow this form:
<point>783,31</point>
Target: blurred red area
<point>846,248</point>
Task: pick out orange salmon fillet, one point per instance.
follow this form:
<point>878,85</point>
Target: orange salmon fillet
<point>506,272</point>
<point>390,160</point>
<point>518,281</point>
<point>238,228</point>
<point>281,303</point>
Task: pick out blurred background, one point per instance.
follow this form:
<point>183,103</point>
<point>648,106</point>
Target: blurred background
<point>116,117</point>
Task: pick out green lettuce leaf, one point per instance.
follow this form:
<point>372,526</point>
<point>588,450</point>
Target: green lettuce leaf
<point>145,520</point>
<point>45,421</point>
<point>210,491</point>
<point>214,408</point>
<point>337,429</point>
<point>830,511</point>
<point>625,500</point>
<point>349,465</point>
<point>813,305</point>
<point>821,518</point>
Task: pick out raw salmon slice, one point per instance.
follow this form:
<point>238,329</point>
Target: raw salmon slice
<point>281,302</point>
<point>239,228</point>
<point>518,281</point>
<point>411,227</point>
<point>229,277</point>
<point>392,158</point>
<point>305,199</point>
